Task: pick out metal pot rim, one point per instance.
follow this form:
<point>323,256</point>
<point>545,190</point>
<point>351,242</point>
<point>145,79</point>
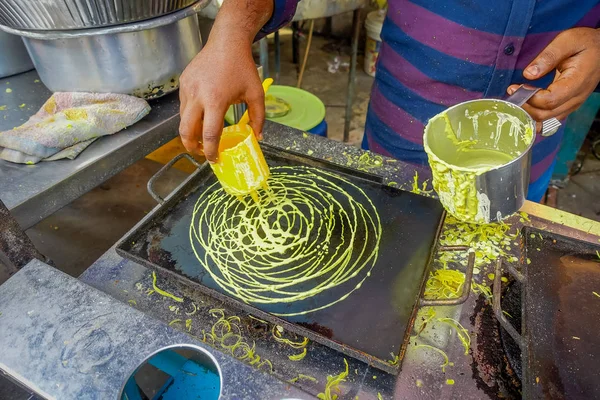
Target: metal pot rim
<point>517,159</point>
<point>124,28</point>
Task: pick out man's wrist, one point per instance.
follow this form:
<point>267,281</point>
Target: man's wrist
<point>241,20</point>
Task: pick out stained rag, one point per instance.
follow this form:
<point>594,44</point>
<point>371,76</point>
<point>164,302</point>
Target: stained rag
<point>69,122</point>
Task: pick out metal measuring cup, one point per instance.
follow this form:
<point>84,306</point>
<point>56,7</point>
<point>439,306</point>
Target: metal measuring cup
<point>483,194</point>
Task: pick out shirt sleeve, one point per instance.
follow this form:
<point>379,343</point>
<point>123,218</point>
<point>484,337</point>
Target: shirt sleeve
<point>283,12</point>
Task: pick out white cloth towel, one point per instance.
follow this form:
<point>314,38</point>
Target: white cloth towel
<point>69,122</point>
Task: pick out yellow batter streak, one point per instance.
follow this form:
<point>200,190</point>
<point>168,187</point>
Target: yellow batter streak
<point>307,234</point>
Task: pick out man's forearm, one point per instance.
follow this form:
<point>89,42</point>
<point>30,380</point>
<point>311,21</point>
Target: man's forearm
<point>241,20</point>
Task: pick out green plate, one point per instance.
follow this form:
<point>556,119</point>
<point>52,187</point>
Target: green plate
<point>306,109</point>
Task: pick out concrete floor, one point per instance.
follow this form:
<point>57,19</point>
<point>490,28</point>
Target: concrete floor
<point>331,88</point>
<point>78,234</point>
<point>581,196</point>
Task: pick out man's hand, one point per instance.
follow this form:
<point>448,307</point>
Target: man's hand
<point>223,73</point>
<point>575,54</point>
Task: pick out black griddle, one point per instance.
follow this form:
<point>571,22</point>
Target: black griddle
<point>374,321</point>
<point>559,318</point>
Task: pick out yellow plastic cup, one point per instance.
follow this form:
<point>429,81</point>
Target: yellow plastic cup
<point>241,167</point>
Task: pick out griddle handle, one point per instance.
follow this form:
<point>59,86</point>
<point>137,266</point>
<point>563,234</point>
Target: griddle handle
<point>466,289</point>
<point>167,166</point>
<point>497,306</point>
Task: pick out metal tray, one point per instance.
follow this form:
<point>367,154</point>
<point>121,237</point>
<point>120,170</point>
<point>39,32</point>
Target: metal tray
<point>373,323</point>
<point>560,316</point>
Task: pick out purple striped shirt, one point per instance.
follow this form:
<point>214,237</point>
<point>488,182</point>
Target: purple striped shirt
<point>438,53</point>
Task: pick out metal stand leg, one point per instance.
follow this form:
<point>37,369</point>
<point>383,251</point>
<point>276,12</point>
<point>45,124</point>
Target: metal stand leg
<point>264,56</point>
<point>352,75</point>
<point>16,249</point>
<point>328,30</point>
<point>277,57</point>
<point>295,43</point>
<point>240,108</point>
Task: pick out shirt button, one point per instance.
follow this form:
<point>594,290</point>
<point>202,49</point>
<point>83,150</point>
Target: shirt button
<point>509,50</point>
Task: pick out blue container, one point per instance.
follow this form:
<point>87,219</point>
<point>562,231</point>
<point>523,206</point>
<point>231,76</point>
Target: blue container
<point>320,130</point>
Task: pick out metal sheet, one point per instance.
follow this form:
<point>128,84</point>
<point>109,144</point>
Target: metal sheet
<point>562,317</point>
<point>66,340</point>
<point>382,308</point>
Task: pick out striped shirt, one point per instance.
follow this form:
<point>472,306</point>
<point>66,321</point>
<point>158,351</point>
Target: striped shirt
<point>436,53</point>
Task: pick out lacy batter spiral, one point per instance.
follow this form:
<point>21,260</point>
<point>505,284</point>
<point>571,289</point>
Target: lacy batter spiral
<point>310,241</point>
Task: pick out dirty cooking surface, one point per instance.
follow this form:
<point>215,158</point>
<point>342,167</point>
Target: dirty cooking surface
<point>562,314</point>
<point>350,271</point>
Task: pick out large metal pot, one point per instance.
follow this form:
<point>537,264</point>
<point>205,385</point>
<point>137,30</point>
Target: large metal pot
<point>144,59</point>
<point>13,57</point>
<point>480,155</point>
<point>80,14</point>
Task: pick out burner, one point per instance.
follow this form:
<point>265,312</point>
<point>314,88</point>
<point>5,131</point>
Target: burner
<point>511,304</point>
<point>491,368</point>
<point>560,314</point>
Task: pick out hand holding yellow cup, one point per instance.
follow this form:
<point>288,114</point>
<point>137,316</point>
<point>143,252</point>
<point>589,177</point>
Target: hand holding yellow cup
<point>241,167</point>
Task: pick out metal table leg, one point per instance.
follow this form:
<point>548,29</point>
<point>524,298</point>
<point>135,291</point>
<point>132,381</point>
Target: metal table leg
<point>352,75</point>
<point>295,42</point>
<point>240,108</point>
<point>16,249</point>
<point>264,56</point>
<point>277,57</point>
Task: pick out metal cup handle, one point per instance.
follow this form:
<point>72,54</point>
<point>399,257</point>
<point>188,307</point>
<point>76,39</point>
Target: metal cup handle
<point>159,199</point>
<point>497,296</point>
<point>466,289</point>
<point>521,96</point>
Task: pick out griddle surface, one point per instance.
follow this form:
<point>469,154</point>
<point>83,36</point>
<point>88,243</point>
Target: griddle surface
<point>562,321</point>
<point>373,320</point>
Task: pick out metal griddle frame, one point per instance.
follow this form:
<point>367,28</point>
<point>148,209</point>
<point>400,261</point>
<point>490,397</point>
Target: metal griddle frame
<point>521,339</point>
<point>167,202</point>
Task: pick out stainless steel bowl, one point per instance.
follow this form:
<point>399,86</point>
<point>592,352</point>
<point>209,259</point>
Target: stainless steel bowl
<point>144,59</point>
<point>79,14</point>
<point>13,58</point>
